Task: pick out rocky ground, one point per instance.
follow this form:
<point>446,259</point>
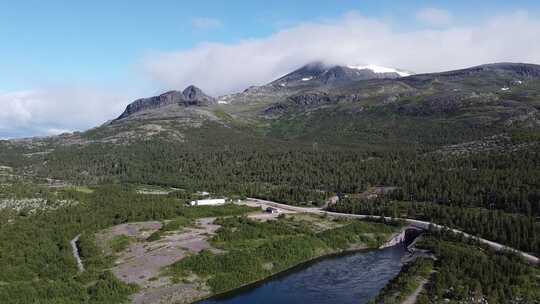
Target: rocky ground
<point>142,262</point>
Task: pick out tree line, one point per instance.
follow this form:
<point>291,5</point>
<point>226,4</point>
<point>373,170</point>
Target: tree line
<point>506,181</point>
<point>515,230</point>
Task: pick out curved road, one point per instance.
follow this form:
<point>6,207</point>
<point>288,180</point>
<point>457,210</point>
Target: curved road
<point>412,222</point>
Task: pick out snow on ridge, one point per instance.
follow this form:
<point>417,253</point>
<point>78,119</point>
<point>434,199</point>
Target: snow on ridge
<point>307,78</point>
<point>379,69</point>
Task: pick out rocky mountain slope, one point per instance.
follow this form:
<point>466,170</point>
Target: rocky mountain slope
<point>345,105</point>
<point>318,74</point>
<point>167,104</point>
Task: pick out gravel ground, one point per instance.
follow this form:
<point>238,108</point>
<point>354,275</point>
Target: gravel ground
<point>141,262</point>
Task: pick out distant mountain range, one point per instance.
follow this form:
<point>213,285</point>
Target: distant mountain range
<point>346,105</point>
<point>310,76</point>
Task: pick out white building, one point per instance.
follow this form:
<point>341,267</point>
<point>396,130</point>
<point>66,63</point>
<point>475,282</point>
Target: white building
<point>208,202</point>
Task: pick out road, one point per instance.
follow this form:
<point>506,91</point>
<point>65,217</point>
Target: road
<point>411,299</point>
<point>416,223</point>
<point>75,250</point>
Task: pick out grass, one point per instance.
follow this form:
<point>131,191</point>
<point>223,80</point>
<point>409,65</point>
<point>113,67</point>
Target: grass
<point>154,189</point>
<point>119,243</point>
<point>83,189</point>
<point>406,283</point>
<point>172,225</point>
<point>188,214</point>
<point>215,211</point>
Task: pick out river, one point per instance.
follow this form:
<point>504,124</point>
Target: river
<point>349,278</point>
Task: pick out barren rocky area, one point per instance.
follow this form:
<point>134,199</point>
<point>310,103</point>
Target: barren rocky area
<point>142,262</point>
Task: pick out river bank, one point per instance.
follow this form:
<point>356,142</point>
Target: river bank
<point>350,277</point>
<point>304,264</point>
<point>254,252</point>
<point>460,270</point>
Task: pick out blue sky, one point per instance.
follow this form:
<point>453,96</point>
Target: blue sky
<point>55,41</point>
<point>137,46</point>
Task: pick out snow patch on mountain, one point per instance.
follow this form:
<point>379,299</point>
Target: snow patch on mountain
<point>379,69</point>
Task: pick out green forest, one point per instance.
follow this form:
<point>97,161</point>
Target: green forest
<point>35,255</point>
<point>298,173</point>
<point>256,250</point>
<point>515,230</point>
<point>463,272</point>
<point>493,194</point>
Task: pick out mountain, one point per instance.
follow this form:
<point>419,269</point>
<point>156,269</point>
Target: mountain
<point>173,104</point>
<point>166,104</point>
<point>318,73</point>
<point>460,148</point>
<point>467,137</point>
<point>350,105</point>
<point>312,76</point>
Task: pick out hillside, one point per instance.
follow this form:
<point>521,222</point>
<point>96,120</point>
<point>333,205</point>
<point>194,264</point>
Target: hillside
<point>345,112</point>
<point>459,148</point>
<point>342,105</point>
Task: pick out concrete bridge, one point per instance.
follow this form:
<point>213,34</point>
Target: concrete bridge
<point>406,236</point>
<point>413,224</point>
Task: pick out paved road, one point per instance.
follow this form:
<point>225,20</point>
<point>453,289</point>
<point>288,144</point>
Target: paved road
<point>412,222</point>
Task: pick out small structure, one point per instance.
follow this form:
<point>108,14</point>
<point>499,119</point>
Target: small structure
<point>272,210</point>
<point>208,202</point>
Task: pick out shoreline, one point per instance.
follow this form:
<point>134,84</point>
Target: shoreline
<point>300,265</point>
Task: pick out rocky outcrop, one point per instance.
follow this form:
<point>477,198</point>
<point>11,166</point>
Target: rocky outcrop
<point>301,101</point>
<point>191,96</point>
<point>396,239</point>
<point>312,98</point>
<point>518,70</point>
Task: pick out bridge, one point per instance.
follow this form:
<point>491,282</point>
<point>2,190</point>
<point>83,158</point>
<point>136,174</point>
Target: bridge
<point>412,224</point>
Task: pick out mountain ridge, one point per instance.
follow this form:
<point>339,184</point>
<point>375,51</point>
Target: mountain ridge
<point>483,100</point>
<point>190,96</point>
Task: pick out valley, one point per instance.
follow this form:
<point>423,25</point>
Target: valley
<point>347,156</point>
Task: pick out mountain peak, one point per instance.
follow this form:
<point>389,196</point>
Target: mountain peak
<point>190,96</point>
<point>319,73</point>
<point>193,93</point>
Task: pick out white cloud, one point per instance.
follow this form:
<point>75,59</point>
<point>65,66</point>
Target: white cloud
<point>354,39</point>
<point>57,110</point>
<point>55,131</point>
<point>222,68</point>
<point>203,23</point>
<point>434,16</point>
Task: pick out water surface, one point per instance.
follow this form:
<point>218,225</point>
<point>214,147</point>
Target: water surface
<point>351,278</point>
